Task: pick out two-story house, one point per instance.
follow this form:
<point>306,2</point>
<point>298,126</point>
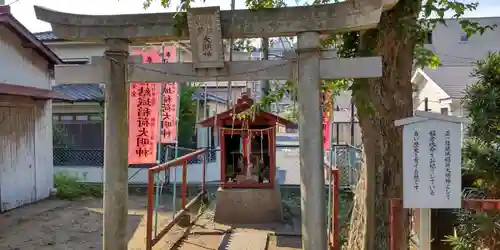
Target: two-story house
<point>444,86</point>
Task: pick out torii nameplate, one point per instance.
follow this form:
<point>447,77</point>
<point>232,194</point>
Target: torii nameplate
<point>206,37</point>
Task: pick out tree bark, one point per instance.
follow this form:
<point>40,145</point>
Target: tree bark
<point>379,103</point>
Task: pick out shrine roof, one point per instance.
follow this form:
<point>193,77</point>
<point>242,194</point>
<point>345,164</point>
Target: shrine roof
<point>243,104</point>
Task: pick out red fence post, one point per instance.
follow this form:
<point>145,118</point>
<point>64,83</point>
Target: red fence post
<point>335,212</point>
<point>395,207</point>
<point>149,215</point>
<point>204,171</point>
<point>151,237</point>
<point>184,185</point>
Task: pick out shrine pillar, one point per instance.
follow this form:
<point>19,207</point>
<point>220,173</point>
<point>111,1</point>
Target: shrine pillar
<point>312,185</point>
<point>115,145</point>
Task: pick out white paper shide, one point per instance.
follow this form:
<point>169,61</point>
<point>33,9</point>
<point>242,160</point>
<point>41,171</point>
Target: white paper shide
<point>431,161</point>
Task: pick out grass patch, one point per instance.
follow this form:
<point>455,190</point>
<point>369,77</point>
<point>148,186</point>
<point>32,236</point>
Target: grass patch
<point>69,188</point>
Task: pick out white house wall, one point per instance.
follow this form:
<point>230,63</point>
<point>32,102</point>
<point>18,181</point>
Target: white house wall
<point>436,97</point>
<point>26,151</point>
<point>43,149</point>
<point>92,174</point>
<point>77,108</point>
<point>77,51</point>
<point>17,157</point>
<point>21,66</point>
<point>25,67</point>
<point>452,51</point>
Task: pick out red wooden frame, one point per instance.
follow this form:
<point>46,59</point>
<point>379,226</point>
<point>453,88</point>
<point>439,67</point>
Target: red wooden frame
<point>272,159</point>
<point>151,238</point>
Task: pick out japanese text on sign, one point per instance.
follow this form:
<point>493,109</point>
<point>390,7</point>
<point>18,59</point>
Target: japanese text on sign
<point>416,149</point>
<point>168,122</point>
<point>143,120</point>
<point>447,163</point>
<point>169,113</point>
<point>431,164</point>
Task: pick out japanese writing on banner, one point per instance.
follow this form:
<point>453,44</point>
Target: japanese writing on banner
<point>168,120</point>
<point>143,123</point>
<point>327,115</point>
<point>169,113</point>
<point>431,164</point>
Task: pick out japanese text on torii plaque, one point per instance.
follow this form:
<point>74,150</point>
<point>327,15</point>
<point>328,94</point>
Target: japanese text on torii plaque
<point>206,37</point>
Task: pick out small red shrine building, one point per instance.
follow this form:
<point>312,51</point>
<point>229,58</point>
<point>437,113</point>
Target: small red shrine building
<point>248,164</point>
<point>247,138</point>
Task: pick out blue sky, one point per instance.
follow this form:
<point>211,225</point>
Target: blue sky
<point>23,9</point>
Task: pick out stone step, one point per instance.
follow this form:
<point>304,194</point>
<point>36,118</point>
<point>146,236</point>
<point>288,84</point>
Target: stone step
<point>248,240</point>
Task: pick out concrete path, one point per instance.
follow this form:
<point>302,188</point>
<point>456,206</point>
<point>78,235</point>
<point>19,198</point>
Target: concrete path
<point>249,240</point>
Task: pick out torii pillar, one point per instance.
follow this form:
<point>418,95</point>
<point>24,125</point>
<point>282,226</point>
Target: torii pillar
<point>115,145</point>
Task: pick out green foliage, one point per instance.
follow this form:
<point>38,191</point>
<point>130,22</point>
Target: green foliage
<point>187,116</point>
<point>481,156</point>
<point>243,45</point>
<point>461,242</point>
<point>291,114</point>
<point>482,100</point>
<point>70,188</point>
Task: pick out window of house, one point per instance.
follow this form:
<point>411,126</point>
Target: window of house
<point>66,117</point>
<point>444,111</point>
<point>82,117</point>
<point>428,38</point>
<point>76,131</point>
<point>95,117</point>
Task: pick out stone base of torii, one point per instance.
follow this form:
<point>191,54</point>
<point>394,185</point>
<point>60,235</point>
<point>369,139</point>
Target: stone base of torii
<point>207,27</point>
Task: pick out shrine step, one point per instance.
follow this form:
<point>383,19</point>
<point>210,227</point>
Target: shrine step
<point>253,240</point>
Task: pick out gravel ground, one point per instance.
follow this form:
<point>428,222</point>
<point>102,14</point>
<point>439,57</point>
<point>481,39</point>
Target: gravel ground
<point>61,225</point>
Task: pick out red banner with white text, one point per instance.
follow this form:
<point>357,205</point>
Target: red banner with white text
<point>143,123</point>
<point>326,119</point>
<point>144,110</point>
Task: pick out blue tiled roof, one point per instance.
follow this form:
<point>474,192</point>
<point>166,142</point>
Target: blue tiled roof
<point>81,92</point>
<point>93,92</point>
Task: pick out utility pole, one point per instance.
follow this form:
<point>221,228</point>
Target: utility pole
<point>264,84</point>
<point>115,146</point>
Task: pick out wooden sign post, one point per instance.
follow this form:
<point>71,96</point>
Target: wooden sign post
<point>206,27</point>
<point>431,166</point>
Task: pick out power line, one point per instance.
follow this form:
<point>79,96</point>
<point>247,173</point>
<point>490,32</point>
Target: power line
<point>13,2</point>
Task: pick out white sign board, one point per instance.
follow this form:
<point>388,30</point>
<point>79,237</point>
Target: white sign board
<point>432,164</point>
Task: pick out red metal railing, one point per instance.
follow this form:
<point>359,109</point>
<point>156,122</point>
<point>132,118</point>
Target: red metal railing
<point>153,238</point>
<point>334,237</point>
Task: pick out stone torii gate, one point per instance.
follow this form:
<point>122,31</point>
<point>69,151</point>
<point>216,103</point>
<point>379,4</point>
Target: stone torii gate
<point>206,27</point>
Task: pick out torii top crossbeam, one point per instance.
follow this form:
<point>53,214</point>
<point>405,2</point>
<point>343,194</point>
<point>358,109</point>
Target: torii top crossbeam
<point>346,16</point>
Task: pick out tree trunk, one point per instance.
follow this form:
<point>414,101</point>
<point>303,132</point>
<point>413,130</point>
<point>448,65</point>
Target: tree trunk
<point>379,103</point>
